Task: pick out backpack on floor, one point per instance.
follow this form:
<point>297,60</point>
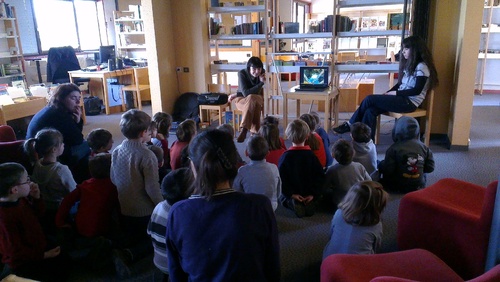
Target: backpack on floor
<point>92,105</point>
<point>186,107</point>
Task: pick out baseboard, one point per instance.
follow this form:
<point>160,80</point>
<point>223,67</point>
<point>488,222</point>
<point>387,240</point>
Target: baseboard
<point>442,139</point>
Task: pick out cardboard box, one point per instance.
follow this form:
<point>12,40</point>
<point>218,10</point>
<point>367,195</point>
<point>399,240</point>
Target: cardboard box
<point>348,98</point>
<point>22,109</point>
<point>365,88</point>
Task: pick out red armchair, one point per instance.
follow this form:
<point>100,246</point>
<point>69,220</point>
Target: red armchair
<point>452,219</point>
<point>409,265</point>
<point>11,150</point>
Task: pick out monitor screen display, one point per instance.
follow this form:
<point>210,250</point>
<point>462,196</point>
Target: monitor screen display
<point>314,76</point>
<point>106,53</point>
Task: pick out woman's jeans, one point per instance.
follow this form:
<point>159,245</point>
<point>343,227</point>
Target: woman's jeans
<point>374,105</point>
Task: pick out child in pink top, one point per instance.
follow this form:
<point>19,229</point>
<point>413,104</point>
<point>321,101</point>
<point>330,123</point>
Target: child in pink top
<point>185,132</point>
<point>270,132</point>
<point>314,140</point>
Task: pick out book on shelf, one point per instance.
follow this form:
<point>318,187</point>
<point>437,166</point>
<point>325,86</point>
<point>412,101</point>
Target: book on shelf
<point>395,21</point>
<point>5,11</point>
<point>136,9</point>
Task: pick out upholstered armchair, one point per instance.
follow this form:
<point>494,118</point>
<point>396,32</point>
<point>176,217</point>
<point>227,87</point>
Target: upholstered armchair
<point>452,219</point>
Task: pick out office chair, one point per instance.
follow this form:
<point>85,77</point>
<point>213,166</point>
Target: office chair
<point>60,60</point>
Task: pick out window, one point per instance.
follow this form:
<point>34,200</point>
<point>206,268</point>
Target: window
<point>299,14</point>
<point>76,24</point>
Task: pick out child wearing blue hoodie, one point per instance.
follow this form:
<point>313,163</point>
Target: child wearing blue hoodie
<point>407,160</point>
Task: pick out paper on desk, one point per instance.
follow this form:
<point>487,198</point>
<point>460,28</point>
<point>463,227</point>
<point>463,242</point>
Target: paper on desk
<point>39,91</point>
<point>15,92</point>
<point>6,100</point>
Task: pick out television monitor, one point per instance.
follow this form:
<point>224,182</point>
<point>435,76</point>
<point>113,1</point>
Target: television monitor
<point>314,77</point>
<point>106,53</point>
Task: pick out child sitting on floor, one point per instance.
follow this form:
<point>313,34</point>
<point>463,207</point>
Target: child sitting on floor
<point>176,186</point>
<point>96,220</point>
<point>23,245</point>
<point>100,140</point>
<point>356,226</point>
<point>407,160</point>
<point>163,125</point>
<point>268,182</point>
<point>185,133</point>
<point>365,151</point>
<point>301,172</point>
<point>271,134</point>
<point>341,176</point>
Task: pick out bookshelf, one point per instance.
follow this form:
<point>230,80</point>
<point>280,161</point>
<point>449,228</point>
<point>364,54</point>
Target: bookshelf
<point>129,30</point>
<point>489,50</point>
<point>11,52</point>
<point>237,29</point>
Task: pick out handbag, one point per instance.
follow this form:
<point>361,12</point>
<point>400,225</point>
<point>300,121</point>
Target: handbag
<point>212,98</point>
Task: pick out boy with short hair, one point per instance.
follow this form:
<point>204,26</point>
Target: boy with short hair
<point>300,171</point>
<point>134,171</point>
<point>268,182</point>
<point>98,201</point>
<point>176,186</point>
<point>365,151</point>
<point>100,140</point>
<point>342,176</point>
<point>23,245</point>
<point>407,160</point>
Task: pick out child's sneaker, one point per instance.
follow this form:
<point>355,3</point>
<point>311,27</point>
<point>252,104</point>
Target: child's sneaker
<point>122,260</point>
<point>299,208</point>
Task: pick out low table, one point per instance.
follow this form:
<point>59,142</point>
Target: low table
<point>329,96</point>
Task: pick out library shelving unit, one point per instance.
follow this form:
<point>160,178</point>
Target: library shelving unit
<point>489,50</point>
<point>237,27</point>
<point>11,52</point>
<point>378,28</point>
<point>130,36</point>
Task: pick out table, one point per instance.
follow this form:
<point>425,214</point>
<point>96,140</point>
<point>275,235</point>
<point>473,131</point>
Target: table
<point>23,109</point>
<point>329,96</point>
<point>125,76</point>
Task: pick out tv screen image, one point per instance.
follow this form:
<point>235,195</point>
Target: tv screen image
<point>314,76</point>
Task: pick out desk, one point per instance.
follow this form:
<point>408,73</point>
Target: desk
<point>23,109</point>
<point>329,96</point>
<point>126,77</point>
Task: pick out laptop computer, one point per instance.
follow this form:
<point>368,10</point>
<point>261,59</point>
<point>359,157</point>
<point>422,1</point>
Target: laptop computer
<point>313,78</point>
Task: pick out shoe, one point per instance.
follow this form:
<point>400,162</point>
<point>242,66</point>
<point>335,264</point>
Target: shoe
<point>242,136</point>
<point>122,260</point>
<point>344,128</point>
<point>299,208</point>
<point>310,208</point>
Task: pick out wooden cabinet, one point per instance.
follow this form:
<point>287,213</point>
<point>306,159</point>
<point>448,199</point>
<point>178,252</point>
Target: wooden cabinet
<point>489,50</point>
<point>11,52</point>
<point>130,36</point>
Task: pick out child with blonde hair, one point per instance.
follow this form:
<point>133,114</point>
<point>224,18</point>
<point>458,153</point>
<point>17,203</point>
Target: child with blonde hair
<point>314,140</point>
<point>300,171</point>
<point>185,132</point>
<point>356,226</point>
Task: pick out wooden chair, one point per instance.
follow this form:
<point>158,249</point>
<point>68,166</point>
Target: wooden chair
<point>424,111</point>
<point>141,83</point>
<point>217,88</point>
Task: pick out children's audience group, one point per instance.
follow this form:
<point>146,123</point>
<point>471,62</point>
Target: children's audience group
<point>183,202</point>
